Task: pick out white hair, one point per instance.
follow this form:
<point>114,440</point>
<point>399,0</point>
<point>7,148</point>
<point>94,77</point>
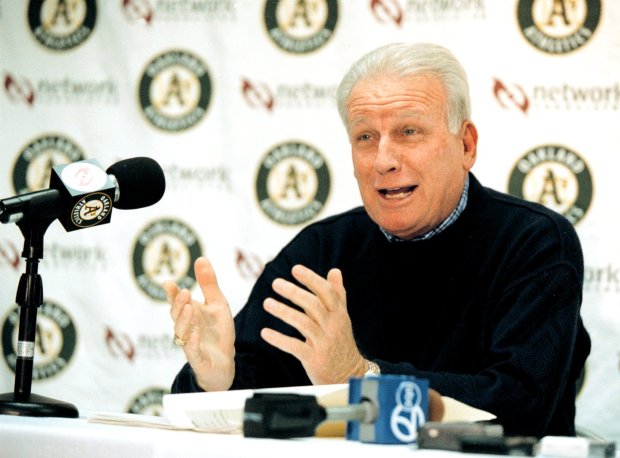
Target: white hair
<point>408,59</point>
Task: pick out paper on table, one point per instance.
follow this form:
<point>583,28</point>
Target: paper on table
<point>131,419</point>
<point>458,411</point>
<point>222,412</point>
<point>215,412</point>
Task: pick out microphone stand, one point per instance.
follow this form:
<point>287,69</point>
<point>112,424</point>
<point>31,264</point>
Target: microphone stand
<point>29,297</point>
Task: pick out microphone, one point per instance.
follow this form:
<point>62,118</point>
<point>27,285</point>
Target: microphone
<point>385,409</point>
<point>82,195</point>
<point>139,181</point>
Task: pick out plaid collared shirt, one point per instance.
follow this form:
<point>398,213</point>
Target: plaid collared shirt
<point>452,217</point>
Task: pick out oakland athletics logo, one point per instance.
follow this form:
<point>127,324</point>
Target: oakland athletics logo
<point>300,26</point>
<point>55,340</point>
<point>293,183</point>
<point>91,210</point>
<point>558,26</point>
<point>34,163</point>
<point>175,91</point>
<point>148,402</point>
<point>165,250</point>
<point>62,24</point>
<point>555,177</point>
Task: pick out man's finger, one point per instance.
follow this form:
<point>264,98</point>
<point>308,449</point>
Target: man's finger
<point>334,277</point>
<point>329,293</point>
<point>171,289</point>
<point>182,325</point>
<point>182,297</point>
<point>287,344</point>
<point>299,296</point>
<point>205,275</point>
<point>298,320</point>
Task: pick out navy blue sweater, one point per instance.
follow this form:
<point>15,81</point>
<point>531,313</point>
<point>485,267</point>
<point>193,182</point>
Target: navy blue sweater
<point>488,310</point>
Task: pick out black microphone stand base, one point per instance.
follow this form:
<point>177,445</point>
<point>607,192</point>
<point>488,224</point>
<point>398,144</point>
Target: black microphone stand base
<point>36,406</point>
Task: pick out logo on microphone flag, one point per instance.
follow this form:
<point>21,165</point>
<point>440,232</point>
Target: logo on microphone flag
<point>89,191</point>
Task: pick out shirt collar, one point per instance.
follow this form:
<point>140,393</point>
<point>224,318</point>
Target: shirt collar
<point>452,217</point>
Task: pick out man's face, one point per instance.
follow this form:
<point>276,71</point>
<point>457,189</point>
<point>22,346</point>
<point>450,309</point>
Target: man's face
<point>409,168</point>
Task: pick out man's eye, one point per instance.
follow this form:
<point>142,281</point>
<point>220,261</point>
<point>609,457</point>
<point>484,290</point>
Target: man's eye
<point>409,131</point>
<point>363,137</point>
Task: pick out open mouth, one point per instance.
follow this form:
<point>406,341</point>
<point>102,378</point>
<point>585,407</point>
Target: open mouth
<point>397,193</point>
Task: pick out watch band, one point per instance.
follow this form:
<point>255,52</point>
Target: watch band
<point>373,369</point>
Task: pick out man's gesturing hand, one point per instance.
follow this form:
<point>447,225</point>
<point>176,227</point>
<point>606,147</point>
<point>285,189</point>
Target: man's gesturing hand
<point>206,327</point>
<point>329,353</point>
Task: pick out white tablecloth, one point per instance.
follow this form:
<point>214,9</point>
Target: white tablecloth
<point>62,437</point>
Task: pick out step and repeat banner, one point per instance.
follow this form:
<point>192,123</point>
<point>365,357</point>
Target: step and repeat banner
<point>235,100</point>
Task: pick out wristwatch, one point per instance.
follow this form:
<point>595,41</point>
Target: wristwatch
<point>373,369</point>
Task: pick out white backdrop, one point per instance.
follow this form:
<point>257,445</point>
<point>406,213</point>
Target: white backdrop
<point>235,100</point>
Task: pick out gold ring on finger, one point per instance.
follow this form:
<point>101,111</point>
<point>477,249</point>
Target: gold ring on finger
<point>178,341</point>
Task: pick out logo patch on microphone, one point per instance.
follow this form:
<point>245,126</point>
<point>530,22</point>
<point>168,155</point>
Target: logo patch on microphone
<point>75,182</point>
<point>558,27</point>
<point>175,91</point>
<point>407,415</point>
<point>556,177</point>
<point>55,340</point>
<point>62,25</point>
<point>300,27</point>
<point>165,250</point>
<point>34,163</point>
<point>293,183</point>
<point>91,210</point>
<point>84,176</point>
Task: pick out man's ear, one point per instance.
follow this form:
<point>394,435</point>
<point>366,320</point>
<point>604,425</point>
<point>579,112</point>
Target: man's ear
<point>470,143</point>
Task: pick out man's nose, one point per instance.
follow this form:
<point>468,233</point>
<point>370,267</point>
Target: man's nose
<point>388,157</point>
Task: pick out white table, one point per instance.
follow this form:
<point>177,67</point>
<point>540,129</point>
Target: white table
<point>62,437</point>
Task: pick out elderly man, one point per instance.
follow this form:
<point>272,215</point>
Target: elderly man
<point>435,276</point>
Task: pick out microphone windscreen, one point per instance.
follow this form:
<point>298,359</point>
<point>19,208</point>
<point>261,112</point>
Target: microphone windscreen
<point>141,182</point>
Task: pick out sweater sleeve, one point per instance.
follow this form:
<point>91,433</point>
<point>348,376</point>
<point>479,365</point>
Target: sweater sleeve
<point>185,381</point>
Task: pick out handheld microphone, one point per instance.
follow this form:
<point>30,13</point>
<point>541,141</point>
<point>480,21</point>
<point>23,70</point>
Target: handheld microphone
<point>82,195</point>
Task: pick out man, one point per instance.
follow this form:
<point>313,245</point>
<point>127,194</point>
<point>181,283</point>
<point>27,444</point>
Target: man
<point>436,276</point>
